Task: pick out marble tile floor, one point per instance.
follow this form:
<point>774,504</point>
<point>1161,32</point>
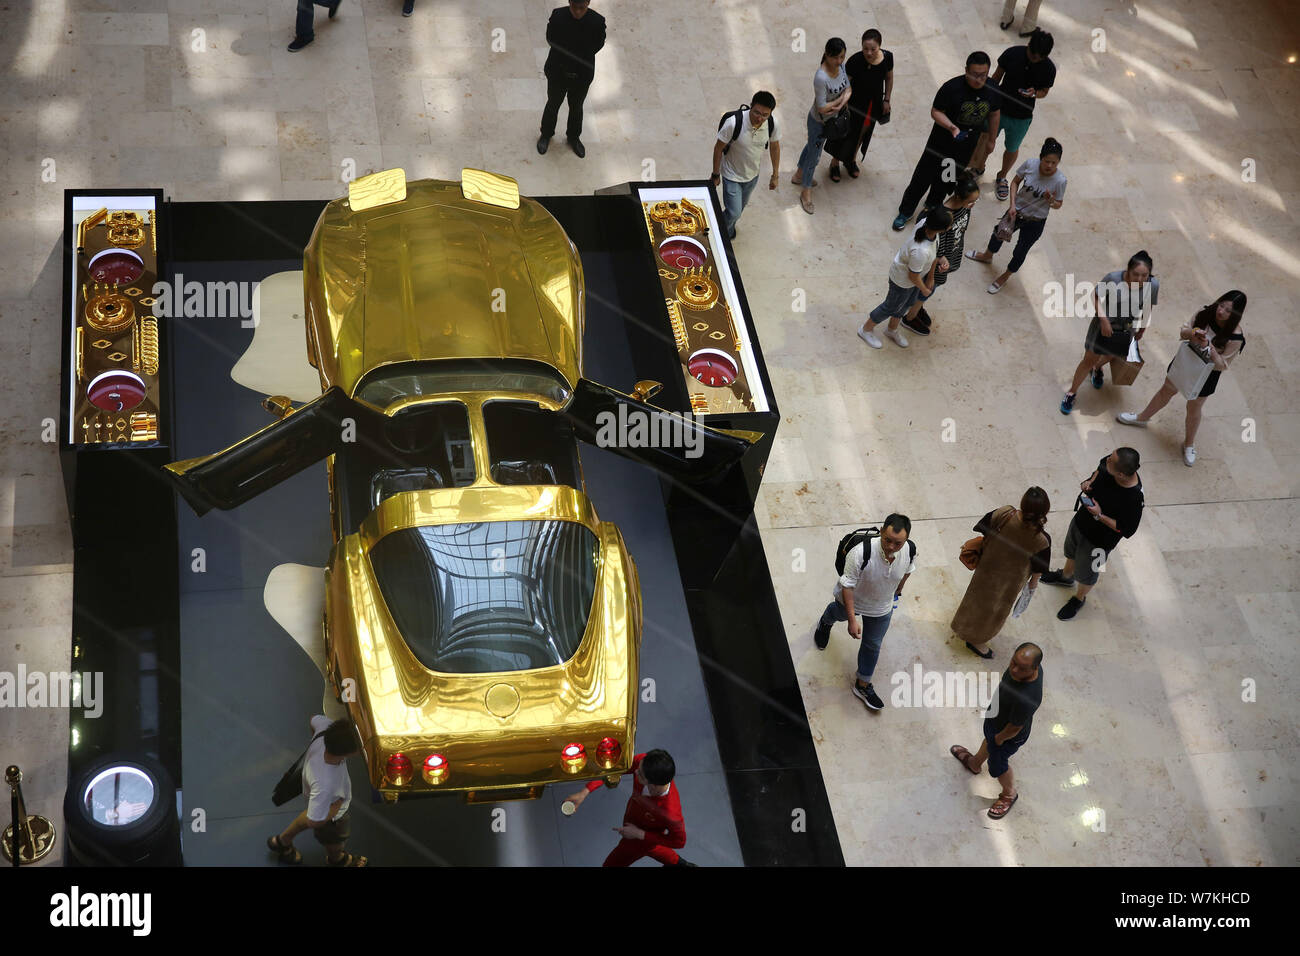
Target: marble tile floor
<point>1145,751</point>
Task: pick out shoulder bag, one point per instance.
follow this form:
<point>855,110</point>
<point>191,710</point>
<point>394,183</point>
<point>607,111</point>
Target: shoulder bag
<point>1189,371</point>
<point>290,784</point>
<point>973,548</point>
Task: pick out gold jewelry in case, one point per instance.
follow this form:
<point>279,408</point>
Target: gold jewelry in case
<point>110,312</point>
<point>125,229</point>
<point>149,346</point>
<point>94,219</point>
<point>81,353</point>
<point>696,289</point>
<point>699,404</point>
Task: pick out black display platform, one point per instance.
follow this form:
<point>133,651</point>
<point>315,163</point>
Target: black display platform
<point>729,709</point>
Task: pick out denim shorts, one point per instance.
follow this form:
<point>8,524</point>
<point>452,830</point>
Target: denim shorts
<point>896,303</point>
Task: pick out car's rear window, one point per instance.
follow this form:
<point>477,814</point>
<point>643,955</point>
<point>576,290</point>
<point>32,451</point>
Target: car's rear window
<point>491,596</point>
<point>392,383</point>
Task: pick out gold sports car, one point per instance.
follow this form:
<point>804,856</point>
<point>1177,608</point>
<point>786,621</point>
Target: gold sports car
<point>482,624</point>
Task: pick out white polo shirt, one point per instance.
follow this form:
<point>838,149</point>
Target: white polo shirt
<point>874,584</point>
<point>744,159</point>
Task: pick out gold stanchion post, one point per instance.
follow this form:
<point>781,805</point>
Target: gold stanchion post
<point>33,837</point>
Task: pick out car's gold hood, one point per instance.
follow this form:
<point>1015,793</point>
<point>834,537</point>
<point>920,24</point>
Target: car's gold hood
<point>436,275</point>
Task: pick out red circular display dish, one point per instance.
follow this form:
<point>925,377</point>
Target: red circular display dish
<point>682,252</point>
<point>116,391</point>
<point>713,368</point>
<point>116,265</point>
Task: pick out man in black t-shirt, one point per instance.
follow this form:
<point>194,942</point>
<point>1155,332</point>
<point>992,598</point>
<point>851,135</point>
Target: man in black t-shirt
<point>1007,725</point>
<point>962,109</point>
<point>575,34</point>
<point>1110,508</point>
<point>1025,74</point>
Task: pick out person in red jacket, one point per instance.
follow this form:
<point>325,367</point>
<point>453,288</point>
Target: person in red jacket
<point>652,823</point>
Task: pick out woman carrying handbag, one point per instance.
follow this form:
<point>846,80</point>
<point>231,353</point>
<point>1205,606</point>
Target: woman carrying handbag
<point>1213,334</point>
<point>831,92</point>
<point>1014,551</point>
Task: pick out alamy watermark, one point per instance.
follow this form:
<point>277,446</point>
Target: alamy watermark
<point>1072,299</point>
<point>634,428</point>
<point>53,689</point>
<point>923,688</point>
<point>210,300</point>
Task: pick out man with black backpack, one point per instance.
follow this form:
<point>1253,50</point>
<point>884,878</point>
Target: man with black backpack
<point>743,135</point>
<point>872,575</point>
<point>328,789</point>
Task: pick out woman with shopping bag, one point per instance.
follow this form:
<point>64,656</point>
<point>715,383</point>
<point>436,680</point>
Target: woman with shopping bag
<point>1012,551</point>
<point>1208,344</point>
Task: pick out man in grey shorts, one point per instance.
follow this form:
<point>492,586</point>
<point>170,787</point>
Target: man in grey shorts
<point>1110,508</point>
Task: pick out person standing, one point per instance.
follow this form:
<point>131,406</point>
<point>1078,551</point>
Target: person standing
<point>575,35</point>
<point>1017,550</point>
<point>1213,330</point>
<point>303,31</point>
<point>1124,300</point>
<point>871,76</point>
<point>875,571</point>
<point>652,823</point>
<point>962,108</point>
<point>328,789</point>
<point>1039,187</point>
<point>950,246</point>
<point>1109,508</point>
<point>911,275</point>
<point>738,155</point>
<point>1025,75</point>
<point>1007,725</point>
<point>831,93</point>
<point>1028,23</point>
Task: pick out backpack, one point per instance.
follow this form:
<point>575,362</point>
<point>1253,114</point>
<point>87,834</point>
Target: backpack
<point>735,133</point>
<point>859,536</point>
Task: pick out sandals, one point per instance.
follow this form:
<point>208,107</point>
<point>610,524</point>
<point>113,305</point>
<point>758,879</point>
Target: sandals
<point>973,256</point>
<point>963,756</point>
<point>348,860</point>
<point>1003,806</point>
<point>807,205</point>
<point>855,171</point>
<point>835,174</point>
<point>287,854</point>
<point>978,653</point>
<point>1003,189</point>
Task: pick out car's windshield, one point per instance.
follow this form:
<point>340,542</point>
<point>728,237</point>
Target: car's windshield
<point>490,596</point>
<point>392,383</point>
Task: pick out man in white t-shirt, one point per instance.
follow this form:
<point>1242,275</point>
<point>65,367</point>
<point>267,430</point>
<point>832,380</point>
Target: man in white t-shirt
<point>738,155</point>
<point>328,789</point>
<point>870,586</point>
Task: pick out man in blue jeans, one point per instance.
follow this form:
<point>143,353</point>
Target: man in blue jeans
<point>874,574</point>
<point>738,154</point>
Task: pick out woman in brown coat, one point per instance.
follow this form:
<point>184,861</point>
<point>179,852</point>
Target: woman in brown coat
<point>1016,550</point>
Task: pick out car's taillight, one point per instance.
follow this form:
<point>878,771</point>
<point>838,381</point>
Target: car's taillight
<point>573,758</point>
<point>436,769</point>
<point>399,770</point>
<point>608,752</point>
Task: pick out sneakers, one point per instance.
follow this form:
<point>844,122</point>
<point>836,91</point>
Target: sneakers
<point>1056,577</point>
<point>1098,378</point>
<point>1070,608</point>
<point>867,694</point>
<point>920,324</point>
<point>543,144</point>
<point>821,637</point>
<point>897,337</point>
<point>299,42</point>
<point>1189,456</point>
<point>1130,418</point>
<point>682,861</point>
<point>899,222</point>
<point>1067,403</point>
<point>871,338</point>
<point>576,145</point>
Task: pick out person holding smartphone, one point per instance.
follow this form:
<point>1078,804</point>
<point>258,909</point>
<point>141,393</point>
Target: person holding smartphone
<point>1213,332</point>
<point>1110,507</point>
<point>1024,75</point>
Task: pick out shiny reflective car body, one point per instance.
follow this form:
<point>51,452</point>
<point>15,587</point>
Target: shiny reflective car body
<point>482,623</point>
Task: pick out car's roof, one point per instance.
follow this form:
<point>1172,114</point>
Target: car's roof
<point>437,275</point>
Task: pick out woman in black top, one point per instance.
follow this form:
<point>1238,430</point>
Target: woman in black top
<point>1213,331</point>
<point>871,73</point>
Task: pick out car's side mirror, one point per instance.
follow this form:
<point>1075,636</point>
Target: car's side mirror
<point>278,405</point>
<point>645,390</point>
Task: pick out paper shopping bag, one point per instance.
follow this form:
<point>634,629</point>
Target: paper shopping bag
<point>1125,371</point>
